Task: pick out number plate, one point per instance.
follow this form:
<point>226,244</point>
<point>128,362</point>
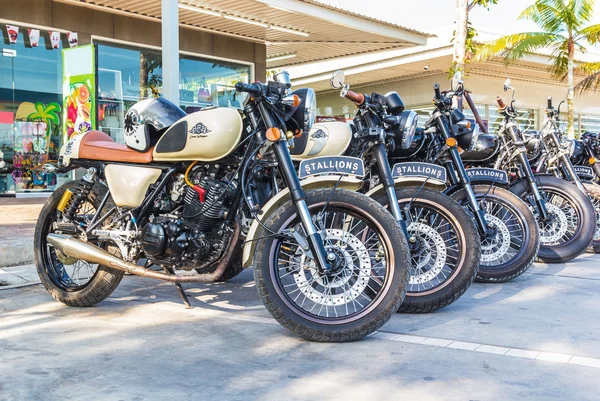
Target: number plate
<point>416,169</point>
<point>488,174</point>
<point>344,165</point>
<point>584,172</point>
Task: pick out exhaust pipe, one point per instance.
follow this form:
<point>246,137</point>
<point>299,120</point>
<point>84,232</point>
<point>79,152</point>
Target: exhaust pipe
<point>79,249</point>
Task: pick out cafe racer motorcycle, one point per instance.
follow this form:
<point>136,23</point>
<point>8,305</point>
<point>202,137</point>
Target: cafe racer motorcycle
<point>329,263</point>
<point>443,240</point>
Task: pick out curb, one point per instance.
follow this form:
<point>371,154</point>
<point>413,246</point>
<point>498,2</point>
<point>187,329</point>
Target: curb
<point>16,252</point>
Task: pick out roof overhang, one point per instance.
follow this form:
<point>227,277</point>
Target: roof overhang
<point>294,31</point>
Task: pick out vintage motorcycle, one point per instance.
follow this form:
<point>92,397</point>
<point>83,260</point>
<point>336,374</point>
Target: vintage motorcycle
<point>564,215</point>
<point>509,236</point>
<point>443,241</point>
<point>551,153</point>
<point>329,263</point>
<point>584,156</point>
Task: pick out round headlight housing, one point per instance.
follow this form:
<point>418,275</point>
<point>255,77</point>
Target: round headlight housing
<point>406,128</point>
<point>305,114</point>
<point>467,134</point>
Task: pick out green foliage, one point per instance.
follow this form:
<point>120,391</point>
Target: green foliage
<point>47,114</point>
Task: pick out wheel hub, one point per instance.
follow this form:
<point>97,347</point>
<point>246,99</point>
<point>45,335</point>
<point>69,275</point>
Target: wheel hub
<point>497,243</point>
<point>553,230</point>
<point>429,254</point>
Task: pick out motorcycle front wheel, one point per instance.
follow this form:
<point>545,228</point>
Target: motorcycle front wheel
<point>444,246</point>
<point>369,269</point>
<point>512,242</point>
<point>594,196</point>
<point>571,225</point>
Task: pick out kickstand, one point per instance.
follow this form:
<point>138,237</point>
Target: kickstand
<point>180,289</point>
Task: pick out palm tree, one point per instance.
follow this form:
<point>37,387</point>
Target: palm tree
<point>562,33</point>
<point>47,114</point>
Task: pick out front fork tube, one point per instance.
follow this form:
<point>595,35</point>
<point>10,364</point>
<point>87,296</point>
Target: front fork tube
<point>387,179</point>
<point>540,202</point>
<point>286,167</point>
<point>460,176</point>
<point>573,177</point>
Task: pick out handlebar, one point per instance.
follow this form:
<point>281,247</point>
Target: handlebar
<point>436,89</point>
<point>549,102</point>
<point>500,102</point>
<point>357,98</point>
<point>253,89</point>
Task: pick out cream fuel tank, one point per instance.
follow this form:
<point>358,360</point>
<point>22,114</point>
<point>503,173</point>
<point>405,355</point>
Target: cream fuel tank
<point>206,135</point>
<point>324,139</point>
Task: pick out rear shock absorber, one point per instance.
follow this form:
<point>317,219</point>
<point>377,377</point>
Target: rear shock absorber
<point>81,193</point>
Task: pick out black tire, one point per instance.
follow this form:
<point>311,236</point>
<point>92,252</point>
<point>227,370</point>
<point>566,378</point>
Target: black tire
<point>465,259</point>
<point>104,280</point>
<point>585,228</point>
<point>333,329</point>
<point>528,245</point>
<point>594,196</point>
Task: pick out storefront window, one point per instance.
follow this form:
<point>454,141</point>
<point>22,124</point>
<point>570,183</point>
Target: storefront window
<point>30,112</point>
<point>526,119</point>
<point>128,74</point>
<point>590,124</point>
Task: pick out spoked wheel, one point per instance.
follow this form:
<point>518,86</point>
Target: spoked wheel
<point>594,196</point>
<point>571,222</point>
<point>512,241</point>
<point>444,247</point>
<point>367,279</point>
<point>69,280</point>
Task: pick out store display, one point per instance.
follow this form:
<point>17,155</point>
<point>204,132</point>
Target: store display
<point>13,33</point>
<point>34,37</point>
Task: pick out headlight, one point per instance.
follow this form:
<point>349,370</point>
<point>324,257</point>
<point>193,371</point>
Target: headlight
<point>306,113</point>
<point>467,133</point>
<point>406,128</point>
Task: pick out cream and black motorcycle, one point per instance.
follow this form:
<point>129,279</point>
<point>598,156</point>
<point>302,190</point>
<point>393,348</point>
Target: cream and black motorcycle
<point>185,190</point>
<point>443,240</point>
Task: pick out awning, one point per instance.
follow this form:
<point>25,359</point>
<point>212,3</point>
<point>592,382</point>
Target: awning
<point>294,31</point>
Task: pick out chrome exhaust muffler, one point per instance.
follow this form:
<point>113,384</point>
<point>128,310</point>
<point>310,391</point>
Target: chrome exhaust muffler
<point>82,250</point>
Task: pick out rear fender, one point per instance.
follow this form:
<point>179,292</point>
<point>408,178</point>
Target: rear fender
<point>316,182</point>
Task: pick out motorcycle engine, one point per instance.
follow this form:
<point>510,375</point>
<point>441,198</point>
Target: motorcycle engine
<point>196,235</point>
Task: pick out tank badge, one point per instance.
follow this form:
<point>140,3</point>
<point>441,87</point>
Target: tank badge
<point>69,147</point>
<point>199,131</point>
<point>320,138</point>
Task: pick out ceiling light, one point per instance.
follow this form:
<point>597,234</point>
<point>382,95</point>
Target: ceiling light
<point>283,57</point>
<point>199,10</point>
<point>247,21</point>
<point>278,28</point>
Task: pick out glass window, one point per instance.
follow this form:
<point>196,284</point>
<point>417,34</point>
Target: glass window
<point>30,113</point>
<point>590,124</point>
<point>209,83</point>
<point>564,124</point>
<point>527,119</point>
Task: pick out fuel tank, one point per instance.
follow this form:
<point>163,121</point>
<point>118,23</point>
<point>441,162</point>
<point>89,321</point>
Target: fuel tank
<point>206,135</point>
<point>486,148</point>
<point>326,139</point>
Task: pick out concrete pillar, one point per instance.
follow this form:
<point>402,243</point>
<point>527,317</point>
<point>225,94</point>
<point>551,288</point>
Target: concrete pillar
<point>170,50</point>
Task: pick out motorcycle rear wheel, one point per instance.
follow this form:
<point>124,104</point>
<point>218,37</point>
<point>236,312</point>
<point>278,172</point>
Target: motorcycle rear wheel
<point>367,282</point>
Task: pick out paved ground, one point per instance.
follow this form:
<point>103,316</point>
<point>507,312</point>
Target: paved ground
<point>535,338</point>
<point>17,223</point>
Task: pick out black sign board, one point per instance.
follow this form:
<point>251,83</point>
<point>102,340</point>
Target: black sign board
<point>344,165</point>
<point>584,172</point>
<point>416,169</point>
<point>488,174</point>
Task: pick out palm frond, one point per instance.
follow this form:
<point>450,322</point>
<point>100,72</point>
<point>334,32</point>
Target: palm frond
<point>590,33</point>
<point>511,47</point>
<point>581,11</point>
<point>592,81</point>
<point>545,15</point>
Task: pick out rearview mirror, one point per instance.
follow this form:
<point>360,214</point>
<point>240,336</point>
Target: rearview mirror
<point>507,84</point>
<point>337,79</point>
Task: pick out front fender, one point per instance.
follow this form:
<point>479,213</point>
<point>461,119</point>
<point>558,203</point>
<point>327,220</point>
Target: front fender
<point>407,181</point>
<point>326,181</point>
<point>476,181</point>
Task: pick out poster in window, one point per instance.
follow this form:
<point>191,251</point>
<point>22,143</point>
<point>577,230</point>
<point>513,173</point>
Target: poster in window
<point>79,86</point>
<point>13,33</point>
<point>34,37</point>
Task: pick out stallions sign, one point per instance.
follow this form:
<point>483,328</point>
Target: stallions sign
<point>584,172</point>
<point>488,174</point>
<point>416,169</point>
<point>344,165</point>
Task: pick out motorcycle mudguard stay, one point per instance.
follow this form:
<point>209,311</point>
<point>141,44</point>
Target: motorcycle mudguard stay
<point>326,181</point>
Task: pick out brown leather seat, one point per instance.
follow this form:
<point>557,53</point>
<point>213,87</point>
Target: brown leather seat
<point>96,145</point>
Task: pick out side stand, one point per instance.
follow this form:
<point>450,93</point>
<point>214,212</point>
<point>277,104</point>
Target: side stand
<point>180,289</point>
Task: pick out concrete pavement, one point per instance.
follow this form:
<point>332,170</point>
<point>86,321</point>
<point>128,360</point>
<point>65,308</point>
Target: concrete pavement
<point>535,338</point>
<point>17,224</point>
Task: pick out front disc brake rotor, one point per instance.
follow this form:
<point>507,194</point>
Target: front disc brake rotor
<point>345,285</point>
<point>495,247</point>
<point>551,232</point>
<point>429,261</point>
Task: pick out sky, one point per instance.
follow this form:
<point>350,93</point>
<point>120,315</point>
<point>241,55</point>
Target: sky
<point>501,18</point>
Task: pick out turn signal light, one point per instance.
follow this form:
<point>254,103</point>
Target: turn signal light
<point>273,134</point>
<point>592,161</point>
<point>451,142</point>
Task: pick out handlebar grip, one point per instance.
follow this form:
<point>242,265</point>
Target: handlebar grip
<point>357,98</point>
<point>436,89</point>
<point>253,89</point>
<point>500,102</point>
<point>549,102</point>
